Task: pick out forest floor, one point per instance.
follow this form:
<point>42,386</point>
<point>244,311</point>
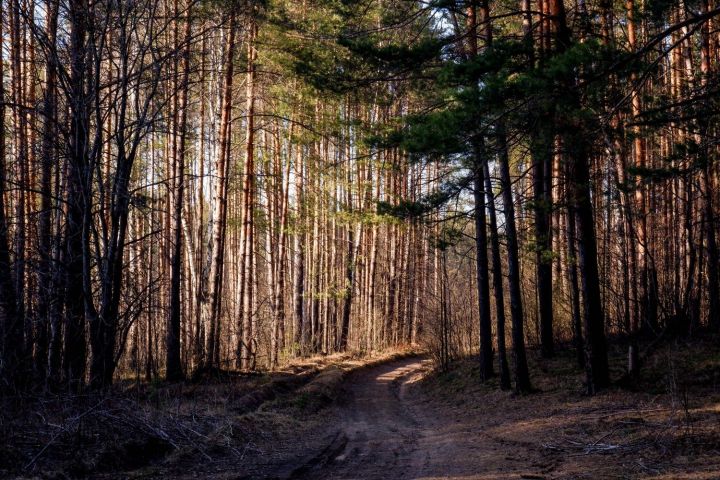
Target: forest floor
<point>394,417</point>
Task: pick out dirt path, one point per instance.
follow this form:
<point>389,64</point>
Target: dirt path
<point>387,424</point>
<point>380,434</point>
<point>388,429</point>
<point>384,425</point>
<point>394,420</point>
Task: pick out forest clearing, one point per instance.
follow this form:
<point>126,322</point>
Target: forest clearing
<point>359,238</point>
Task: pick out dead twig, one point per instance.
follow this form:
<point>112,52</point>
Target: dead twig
<point>63,429</point>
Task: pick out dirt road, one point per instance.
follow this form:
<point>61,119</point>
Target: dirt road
<point>388,430</point>
<point>398,420</point>
<point>380,433</point>
<point>394,420</point>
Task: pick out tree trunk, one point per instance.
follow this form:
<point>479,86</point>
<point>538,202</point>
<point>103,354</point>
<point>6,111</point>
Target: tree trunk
<point>78,201</point>
<point>212,301</point>
<point>522,375</point>
<point>482,271</point>
<point>579,184</point>
<point>11,322</point>
<point>497,283</point>
<point>246,279</point>
<point>173,362</point>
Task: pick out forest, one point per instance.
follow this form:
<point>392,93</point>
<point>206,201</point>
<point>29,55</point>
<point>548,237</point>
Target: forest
<point>220,217</point>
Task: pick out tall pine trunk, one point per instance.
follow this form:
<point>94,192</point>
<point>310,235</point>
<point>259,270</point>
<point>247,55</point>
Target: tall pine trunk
<point>522,375</point>
<point>212,301</point>
<point>173,362</point>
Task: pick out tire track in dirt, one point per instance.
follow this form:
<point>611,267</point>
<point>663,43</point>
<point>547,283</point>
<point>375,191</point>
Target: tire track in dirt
<point>380,434</point>
<point>388,428</point>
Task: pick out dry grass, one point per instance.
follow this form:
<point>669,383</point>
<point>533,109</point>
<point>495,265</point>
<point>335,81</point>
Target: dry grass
<point>666,426</point>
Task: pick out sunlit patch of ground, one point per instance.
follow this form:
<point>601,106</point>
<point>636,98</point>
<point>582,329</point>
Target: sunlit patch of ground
<point>668,426</point>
